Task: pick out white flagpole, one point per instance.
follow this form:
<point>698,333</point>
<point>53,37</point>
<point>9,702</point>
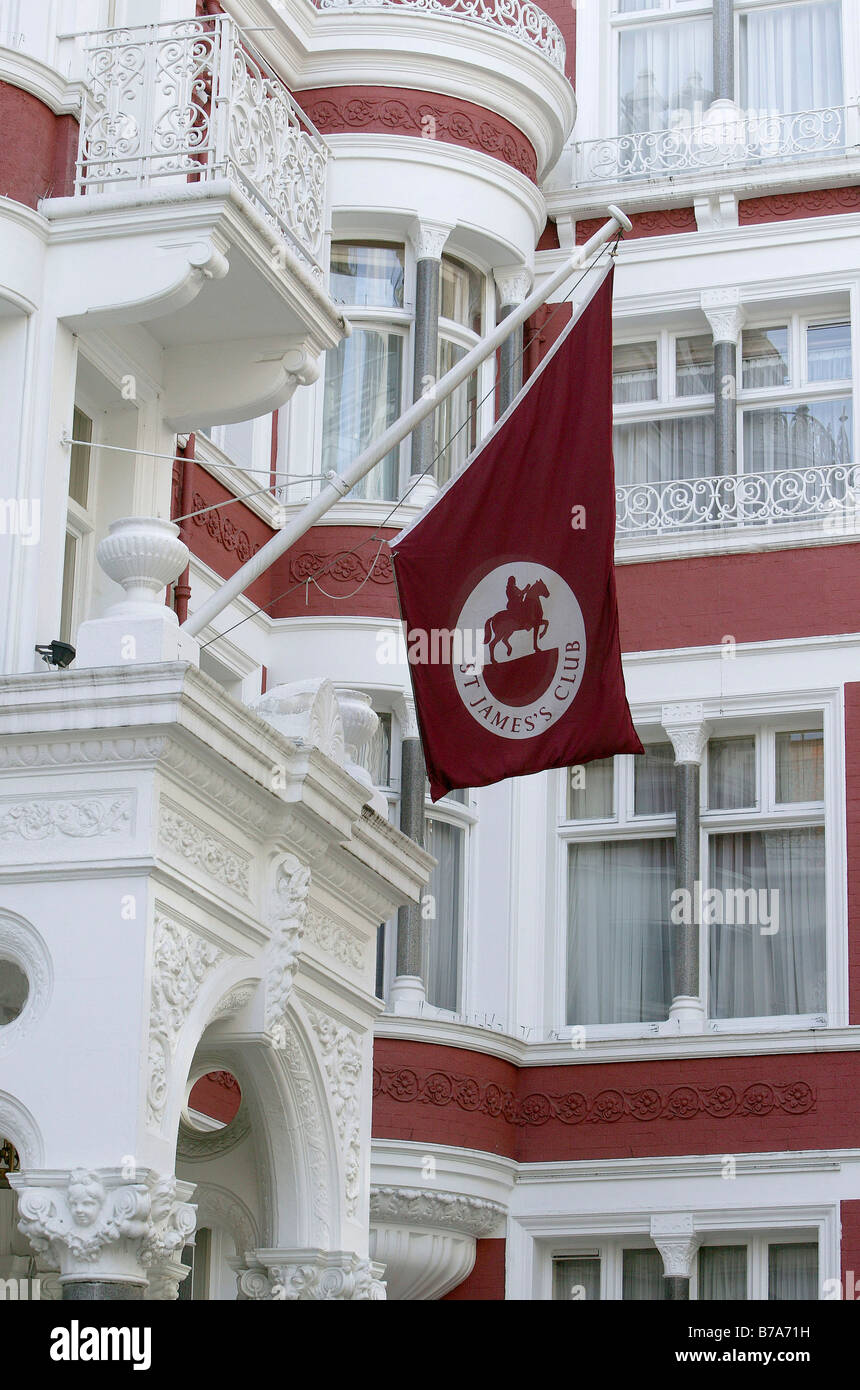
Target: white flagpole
<point>340,485</point>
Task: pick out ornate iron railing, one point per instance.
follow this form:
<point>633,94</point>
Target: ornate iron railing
<point>830,493</point>
<point>192,101</point>
<point>713,145</point>
<point>520,18</point>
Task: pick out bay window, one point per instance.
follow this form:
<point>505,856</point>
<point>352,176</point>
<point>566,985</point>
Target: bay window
<point>461,318</point>
<point>365,374</point>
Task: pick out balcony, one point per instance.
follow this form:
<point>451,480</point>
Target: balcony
<point>196,168</point>
<point>725,142</point>
<point>520,19</point>
<point>192,102</point>
<point>741,511</point>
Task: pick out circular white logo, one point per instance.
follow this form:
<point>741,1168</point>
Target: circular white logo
<point>533,654</point>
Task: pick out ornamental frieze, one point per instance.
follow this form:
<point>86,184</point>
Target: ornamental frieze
<point>607,1106</point>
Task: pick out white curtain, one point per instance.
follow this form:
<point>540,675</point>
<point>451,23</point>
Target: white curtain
<point>444,929</point>
<point>642,1275</point>
<point>663,71</point>
<point>620,942</point>
<point>792,1272</point>
<point>591,790</point>
<point>731,773</point>
<point>456,416</point>
<point>754,975</point>
<point>657,451</point>
<point>809,435</point>
<point>654,781</point>
<point>791,58</point>
<point>828,351</point>
<point>800,766</point>
<point>362,398</point>
<point>722,1272</point>
<point>576,1279</point>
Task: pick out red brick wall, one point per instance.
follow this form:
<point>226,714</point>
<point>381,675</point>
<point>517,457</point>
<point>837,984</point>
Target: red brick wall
<point>783,207</point>
<point>37,148</point>
<point>851,1249</point>
<point>753,597</point>
<point>852,796</point>
<point>487,1280</point>
<point>607,1110</point>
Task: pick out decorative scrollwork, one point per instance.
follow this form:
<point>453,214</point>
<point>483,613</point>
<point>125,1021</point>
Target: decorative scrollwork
<point>519,18</point>
<point>193,100</point>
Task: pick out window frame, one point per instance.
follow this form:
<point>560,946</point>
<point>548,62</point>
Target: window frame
<point>80,525</point>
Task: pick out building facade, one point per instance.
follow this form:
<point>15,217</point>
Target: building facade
<point>272,1024</point>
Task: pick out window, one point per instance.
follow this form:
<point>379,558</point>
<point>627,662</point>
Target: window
<point>618,1269</point>
<point>197,1257</point>
<point>765,864</point>
<point>364,375</point>
<point>620,847</point>
<point>763,879</point>
<point>664,74</point>
<point>776,1266</point>
<point>796,395</point>
<point>672,436</point>
<point>446,840</point>
<point>790,57</point>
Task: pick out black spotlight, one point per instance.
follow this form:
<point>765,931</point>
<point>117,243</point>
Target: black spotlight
<point>57,654</point>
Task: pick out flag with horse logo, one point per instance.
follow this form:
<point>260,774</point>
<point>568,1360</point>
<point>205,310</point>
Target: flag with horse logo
<point>512,564</point>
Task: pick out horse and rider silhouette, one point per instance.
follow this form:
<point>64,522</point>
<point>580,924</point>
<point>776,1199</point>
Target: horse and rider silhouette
<point>523,613</point>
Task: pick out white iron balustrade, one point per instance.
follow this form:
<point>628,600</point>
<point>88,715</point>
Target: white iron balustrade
<point>828,493</point>
<point>722,142</point>
<point>520,18</point>
<point>193,101</point>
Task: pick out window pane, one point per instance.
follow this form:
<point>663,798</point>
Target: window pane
<point>731,773</point>
<point>576,1278</point>
<point>722,1272</point>
<point>798,436</point>
<point>590,790</point>
<point>460,294</point>
<point>664,71</point>
<point>620,944</point>
<point>445,843</point>
<point>634,373</point>
<point>371,275</point>
<point>791,57</point>
<point>654,781</point>
<point>79,468</point>
<point>800,766</point>
<point>67,601</point>
<point>456,417</point>
<point>694,365</point>
<point>237,442</point>
<point>767,924</point>
<point>792,1272</point>
<point>764,353</point>
<point>642,1274</point>
<point>362,398</point>
<point>656,451</point>
<point>828,352</point>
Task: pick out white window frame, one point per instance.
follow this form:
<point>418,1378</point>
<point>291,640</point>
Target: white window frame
<point>81,522</point>
<point>790,710</point>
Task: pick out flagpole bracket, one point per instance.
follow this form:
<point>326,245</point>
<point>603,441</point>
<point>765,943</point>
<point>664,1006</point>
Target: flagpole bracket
<point>620,217</point>
<point>337,482</point>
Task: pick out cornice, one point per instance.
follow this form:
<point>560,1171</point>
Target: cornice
<point>429,1208</point>
<point>41,81</point>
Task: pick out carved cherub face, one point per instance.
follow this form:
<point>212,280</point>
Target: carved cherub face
<point>85,1197</point>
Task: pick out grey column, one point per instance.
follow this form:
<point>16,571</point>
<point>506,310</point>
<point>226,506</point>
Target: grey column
<point>724,50</point>
<point>410,923</point>
<point>101,1290</point>
<point>426,357</point>
<point>722,309</point>
<point>676,1288</point>
<point>688,732</point>
<point>513,285</point>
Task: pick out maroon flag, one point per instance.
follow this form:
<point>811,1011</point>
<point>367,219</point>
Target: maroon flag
<point>507,588</point>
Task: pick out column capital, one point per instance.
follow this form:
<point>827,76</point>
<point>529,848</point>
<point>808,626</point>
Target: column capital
<point>514,284</point>
<point>677,1242</point>
<point>95,1225</point>
<point>309,1275</point>
<point>404,706</point>
<point>688,730</point>
<point>724,312</point>
<point>428,238</point>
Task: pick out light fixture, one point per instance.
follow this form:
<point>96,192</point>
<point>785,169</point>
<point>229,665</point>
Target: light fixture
<point>59,654</point>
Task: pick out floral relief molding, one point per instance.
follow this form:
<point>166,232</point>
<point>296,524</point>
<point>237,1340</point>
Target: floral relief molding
<point>603,1107</point>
